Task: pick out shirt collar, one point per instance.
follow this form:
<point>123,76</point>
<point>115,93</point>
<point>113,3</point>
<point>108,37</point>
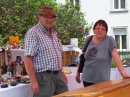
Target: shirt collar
<point>43,28</point>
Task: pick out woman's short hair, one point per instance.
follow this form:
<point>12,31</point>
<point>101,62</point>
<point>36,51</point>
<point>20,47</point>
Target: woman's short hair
<point>101,22</point>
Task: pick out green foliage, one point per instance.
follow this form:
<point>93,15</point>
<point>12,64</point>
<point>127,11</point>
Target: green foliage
<point>125,59</point>
<point>17,16</point>
<point>113,65</point>
<point>70,23</point>
<point>1,40</point>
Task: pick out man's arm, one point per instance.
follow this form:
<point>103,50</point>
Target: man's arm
<point>30,71</point>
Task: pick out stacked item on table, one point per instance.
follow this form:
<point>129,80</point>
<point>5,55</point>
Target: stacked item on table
<point>13,81</point>
<point>67,72</point>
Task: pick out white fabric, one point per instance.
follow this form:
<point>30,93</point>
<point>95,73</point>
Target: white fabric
<point>21,90</point>
<point>113,75</point>
<point>70,48</point>
<point>72,84</point>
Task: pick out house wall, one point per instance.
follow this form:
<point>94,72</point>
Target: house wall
<point>102,9</point>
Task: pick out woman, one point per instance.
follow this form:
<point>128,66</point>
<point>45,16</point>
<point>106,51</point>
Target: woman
<point>98,56</point>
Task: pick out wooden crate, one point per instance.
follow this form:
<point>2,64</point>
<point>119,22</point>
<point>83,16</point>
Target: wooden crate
<point>2,58</point>
<point>68,56</point>
<point>112,88</point>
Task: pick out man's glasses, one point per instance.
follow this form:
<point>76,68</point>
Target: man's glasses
<point>102,29</point>
<point>47,16</point>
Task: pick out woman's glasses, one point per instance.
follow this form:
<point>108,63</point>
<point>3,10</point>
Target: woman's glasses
<point>98,29</point>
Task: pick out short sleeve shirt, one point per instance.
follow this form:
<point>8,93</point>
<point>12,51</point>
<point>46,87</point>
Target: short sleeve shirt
<point>98,59</point>
<point>46,50</point>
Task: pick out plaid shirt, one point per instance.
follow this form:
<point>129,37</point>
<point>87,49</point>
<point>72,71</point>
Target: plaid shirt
<point>46,50</point>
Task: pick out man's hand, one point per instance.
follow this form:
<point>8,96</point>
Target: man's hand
<point>34,87</point>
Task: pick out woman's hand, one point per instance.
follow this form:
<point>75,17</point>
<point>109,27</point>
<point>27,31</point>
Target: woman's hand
<point>77,77</point>
<point>124,75</point>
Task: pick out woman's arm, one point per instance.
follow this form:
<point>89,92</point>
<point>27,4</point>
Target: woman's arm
<point>118,63</point>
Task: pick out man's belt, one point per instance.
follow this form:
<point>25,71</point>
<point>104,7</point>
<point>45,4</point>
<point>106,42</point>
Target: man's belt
<point>53,72</point>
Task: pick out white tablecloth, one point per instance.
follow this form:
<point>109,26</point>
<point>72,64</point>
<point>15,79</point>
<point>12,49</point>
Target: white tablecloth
<point>72,84</point>
<point>21,90</point>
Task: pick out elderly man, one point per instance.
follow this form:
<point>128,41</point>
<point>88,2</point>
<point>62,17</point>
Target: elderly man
<point>43,56</point>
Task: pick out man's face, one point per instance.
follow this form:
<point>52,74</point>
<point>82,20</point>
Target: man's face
<point>46,20</point>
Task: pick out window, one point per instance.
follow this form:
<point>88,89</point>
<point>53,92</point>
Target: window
<point>121,41</point>
<point>119,4</point>
<point>120,37</point>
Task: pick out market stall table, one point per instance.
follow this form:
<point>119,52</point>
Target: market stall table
<point>72,84</point>
<point>23,90</point>
<point>20,90</point>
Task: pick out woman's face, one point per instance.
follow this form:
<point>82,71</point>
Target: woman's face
<point>100,31</point>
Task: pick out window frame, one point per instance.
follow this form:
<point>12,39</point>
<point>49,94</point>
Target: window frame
<point>119,4</point>
<point>121,27</point>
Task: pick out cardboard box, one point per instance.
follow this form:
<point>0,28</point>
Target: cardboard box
<point>111,88</point>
